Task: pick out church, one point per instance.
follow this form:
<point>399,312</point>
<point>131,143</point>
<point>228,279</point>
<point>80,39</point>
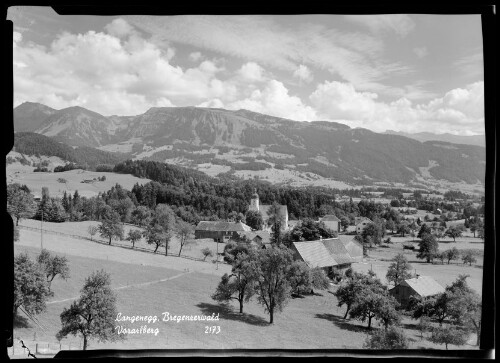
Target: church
<point>264,211</point>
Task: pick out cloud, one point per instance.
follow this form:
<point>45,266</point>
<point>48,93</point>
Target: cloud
<point>421,52</point>
<point>303,73</point>
<point>119,28</point>
<point>459,111</point>
<point>355,57</point>
<point>111,75</point>
<point>195,56</point>
<point>275,100</point>
<point>471,65</point>
<point>251,72</point>
<point>400,24</point>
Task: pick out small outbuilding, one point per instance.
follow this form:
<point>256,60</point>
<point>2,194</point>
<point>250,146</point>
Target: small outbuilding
<point>421,286</point>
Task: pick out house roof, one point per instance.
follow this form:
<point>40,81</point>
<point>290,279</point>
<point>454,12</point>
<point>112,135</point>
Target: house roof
<point>264,235</point>
<point>424,285</point>
<point>337,250</point>
<point>315,254</point>
<point>330,217</point>
<point>222,226</point>
<point>358,220</point>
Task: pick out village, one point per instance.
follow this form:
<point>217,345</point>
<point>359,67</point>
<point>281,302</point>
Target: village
<point>342,247</point>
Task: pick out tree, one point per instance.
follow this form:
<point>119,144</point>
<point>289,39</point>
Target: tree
<point>53,266</point>
<point>16,233</point>
<point>164,216</point>
<point>271,268</point>
<point>92,230</point>
<point>449,335</point>
<point>134,235</point>
<point>141,216</point>
<point>428,247</point>
<point>454,232</point>
<point>373,301</point>
<point>319,279</point>
<point>372,233</point>
<point>424,325</point>
<point>207,252</point>
<point>308,230</point>
<point>344,222</point>
<point>403,229</point>
<point>254,219</point>
<point>93,314</point>
<point>468,257</point>
<point>20,203</point>
<point>232,249</point>
<point>123,207</point>
<point>299,277</point>
<point>452,254</point>
<point>184,232</point>
<point>399,270</point>
<point>347,293</point>
<point>111,227</point>
<point>391,225</point>
<point>240,283</point>
<point>31,289</point>
<point>480,233</point>
<point>157,236</point>
<point>424,229</point>
<point>277,222</point>
<point>392,338</point>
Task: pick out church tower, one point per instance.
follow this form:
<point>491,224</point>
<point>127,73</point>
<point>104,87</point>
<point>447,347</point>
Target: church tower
<point>254,202</point>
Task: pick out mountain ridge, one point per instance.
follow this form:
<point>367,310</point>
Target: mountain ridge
<point>242,142</point>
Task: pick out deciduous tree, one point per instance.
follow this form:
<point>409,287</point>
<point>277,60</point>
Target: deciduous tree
<point>53,266</point>
<point>93,315</point>
<point>20,203</point>
<point>134,235</point>
<point>428,247</point>
<point>399,270</point>
<point>30,285</point>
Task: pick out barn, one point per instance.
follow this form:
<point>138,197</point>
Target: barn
<point>329,254</point>
<point>219,231</point>
<point>353,247</point>
<point>420,286</point>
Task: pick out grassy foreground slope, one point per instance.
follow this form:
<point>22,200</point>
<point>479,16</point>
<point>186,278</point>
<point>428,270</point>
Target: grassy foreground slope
<point>148,284</point>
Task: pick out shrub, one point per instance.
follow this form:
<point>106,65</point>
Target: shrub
<point>392,338</point>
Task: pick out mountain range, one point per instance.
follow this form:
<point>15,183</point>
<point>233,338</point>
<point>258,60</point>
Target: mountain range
<point>244,142</point>
<point>479,140</point>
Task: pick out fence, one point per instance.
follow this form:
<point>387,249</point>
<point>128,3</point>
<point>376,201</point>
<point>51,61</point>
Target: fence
<point>141,249</point>
<point>41,348</point>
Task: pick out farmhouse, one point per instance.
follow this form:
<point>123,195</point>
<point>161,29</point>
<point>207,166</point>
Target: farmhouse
<point>257,238</point>
<point>331,222</point>
<point>422,286</point>
<point>329,254</point>
<point>361,223</point>
<point>264,209</point>
<point>353,247</point>
<point>219,231</point>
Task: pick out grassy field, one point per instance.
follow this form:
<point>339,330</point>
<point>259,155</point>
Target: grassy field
<point>192,249</point>
<point>148,284</point>
<point>35,181</point>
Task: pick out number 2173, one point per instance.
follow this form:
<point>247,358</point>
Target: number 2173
<point>212,329</point>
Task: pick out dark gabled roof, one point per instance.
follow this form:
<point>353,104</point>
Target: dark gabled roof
<point>216,226</point>
<point>330,217</point>
<point>337,250</point>
<point>265,236</point>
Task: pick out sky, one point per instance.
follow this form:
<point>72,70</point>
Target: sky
<point>410,73</point>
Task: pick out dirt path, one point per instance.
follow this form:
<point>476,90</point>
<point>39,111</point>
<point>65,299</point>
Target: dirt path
<point>129,286</point>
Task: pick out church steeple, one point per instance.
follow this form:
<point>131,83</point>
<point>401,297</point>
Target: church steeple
<point>254,202</point>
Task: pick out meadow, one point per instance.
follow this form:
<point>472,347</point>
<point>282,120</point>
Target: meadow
<point>148,284</point>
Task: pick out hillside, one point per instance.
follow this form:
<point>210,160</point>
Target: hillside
<point>478,140</point>
<point>30,143</point>
<point>249,144</point>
